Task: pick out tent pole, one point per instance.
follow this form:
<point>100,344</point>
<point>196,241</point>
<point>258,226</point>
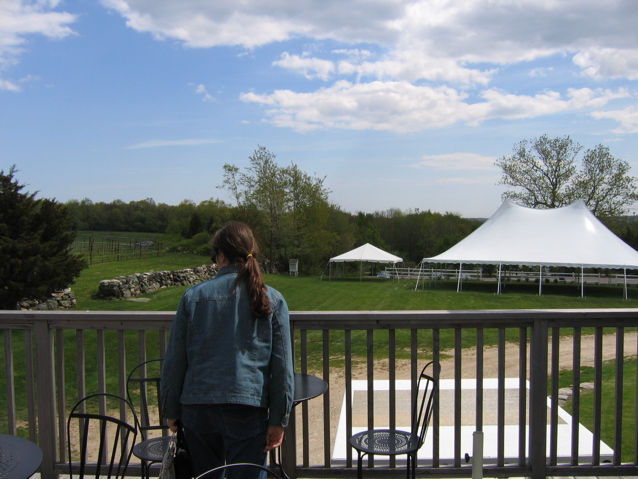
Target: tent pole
<point>626,291</point>
<point>498,288</point>
<point>540,280</point>
<point>418,276</point>
<point>458,283</point>
<point>582,282</point>
<point>324,270</point>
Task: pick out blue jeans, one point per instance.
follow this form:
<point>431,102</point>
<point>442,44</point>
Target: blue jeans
<point>218,434</point>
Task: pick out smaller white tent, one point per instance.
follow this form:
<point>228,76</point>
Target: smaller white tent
<point>366,253</point>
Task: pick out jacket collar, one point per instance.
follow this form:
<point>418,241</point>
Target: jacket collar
<point>231,268</point>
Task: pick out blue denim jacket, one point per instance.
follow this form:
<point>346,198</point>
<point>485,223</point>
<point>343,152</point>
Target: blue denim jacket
<point>218,353</point>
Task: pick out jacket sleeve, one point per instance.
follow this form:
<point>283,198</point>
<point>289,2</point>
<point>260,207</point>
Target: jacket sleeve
<point>282,378</point>
<point>175,364</point>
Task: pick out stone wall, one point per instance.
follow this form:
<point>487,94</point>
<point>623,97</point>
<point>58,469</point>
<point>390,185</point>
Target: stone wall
<point>59,300</point>
<point>124,287</point>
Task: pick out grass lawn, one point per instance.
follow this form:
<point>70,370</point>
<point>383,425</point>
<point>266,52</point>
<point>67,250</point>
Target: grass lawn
<point>309,293</point>
<point>608,423</point>
<point>86,286</point>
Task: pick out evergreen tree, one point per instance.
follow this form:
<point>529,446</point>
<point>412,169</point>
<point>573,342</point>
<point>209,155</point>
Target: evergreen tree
<point>35,240</point>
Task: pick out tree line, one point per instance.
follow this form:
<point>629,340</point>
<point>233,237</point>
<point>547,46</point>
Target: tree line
<point>292,215</point>
<point>289,210</point>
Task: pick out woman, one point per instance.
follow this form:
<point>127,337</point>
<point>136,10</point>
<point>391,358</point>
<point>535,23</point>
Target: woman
<point>228,373</point>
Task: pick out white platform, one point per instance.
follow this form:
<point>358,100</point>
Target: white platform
<point>468,421</point>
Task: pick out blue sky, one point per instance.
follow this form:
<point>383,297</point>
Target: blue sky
<point>399,104</point>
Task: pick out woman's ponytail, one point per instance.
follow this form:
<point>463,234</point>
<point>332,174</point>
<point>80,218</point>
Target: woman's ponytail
<point>238,244</point>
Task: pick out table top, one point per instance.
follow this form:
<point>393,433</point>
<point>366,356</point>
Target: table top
<point>19,458</point>
<point>308,387</point>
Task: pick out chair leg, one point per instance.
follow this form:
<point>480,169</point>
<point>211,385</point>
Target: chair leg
<point>411,472</point>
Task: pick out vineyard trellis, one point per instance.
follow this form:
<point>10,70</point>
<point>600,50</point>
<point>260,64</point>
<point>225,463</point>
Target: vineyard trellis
<point>111,247</point>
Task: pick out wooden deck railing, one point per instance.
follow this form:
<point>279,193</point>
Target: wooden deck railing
<point>497,376</point>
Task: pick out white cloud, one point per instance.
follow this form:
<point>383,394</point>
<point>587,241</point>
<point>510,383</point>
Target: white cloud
<point>353,53</point>
<point>457,161</point>
<point>306,65</point>
<point>407,66</point>
<point>499,104</point>
<point>404,107</point>
<point>601,63</point>
<point>468,180</point>
<point>415,65</point>
<point>201,90</point>
<point>9,86</point>
<point>163,143</point>
<point>21,18</point>
<point>463,32</point>
<point>628,119</point>
<point>253,23</point>
<point>392,106</point>
<point>540,72</point>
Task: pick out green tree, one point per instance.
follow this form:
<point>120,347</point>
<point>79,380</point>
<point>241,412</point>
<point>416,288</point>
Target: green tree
<point>542,173</point>
<point>180,217</point>
<point>604,183</point>
<point>368,230</point>
<point>283,204</point>
<point>35,240</point>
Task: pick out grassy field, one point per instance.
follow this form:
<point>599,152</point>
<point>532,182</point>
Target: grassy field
<point>608,397</point>
<point>313,294</point>
<point>310,293</point>
<point>86,286</point>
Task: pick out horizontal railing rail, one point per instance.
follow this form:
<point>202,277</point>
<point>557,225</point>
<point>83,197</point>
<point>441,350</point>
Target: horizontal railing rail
<point>506,375</point>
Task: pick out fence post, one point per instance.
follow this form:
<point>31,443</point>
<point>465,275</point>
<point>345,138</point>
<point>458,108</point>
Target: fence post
<point>44,366</point>
<point>538,398</point>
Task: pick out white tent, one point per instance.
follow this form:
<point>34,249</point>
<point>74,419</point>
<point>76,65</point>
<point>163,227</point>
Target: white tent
<point>366,253</point>
<point>569,236</point>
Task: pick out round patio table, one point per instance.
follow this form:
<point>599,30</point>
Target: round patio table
<point>19,458</point>
<point>308,387</point>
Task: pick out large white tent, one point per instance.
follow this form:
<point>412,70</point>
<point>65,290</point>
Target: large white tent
<point>366,253</point>
<point>515,235</point>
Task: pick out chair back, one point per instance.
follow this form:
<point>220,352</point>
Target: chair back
<point>143,390</point>
<point>101,432</point>
<point>218,471</point>
<point>427,393</point>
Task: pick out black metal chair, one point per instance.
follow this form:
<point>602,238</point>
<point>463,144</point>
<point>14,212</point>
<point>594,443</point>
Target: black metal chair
<point>143,385</point>
<point>100,443</point>
<point>218,472</point>
<point>389,442</point>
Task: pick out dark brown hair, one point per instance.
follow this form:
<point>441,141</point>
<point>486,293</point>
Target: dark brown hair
<point>237,242</point>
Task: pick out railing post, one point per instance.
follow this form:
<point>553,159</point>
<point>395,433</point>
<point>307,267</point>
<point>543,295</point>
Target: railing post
<point>47,429</point>
<point>288,450</point>
<point>538,399</point>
